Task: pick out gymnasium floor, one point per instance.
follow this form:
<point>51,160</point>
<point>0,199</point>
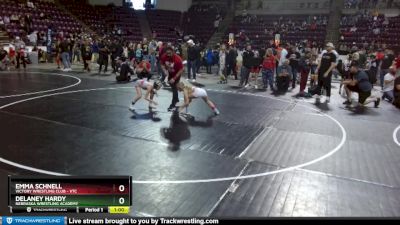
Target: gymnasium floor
<point>265,155</point>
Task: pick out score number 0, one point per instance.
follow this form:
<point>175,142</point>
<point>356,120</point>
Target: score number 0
<point>121,200</point>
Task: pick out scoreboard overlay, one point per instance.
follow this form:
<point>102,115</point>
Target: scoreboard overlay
<point>90,194</point>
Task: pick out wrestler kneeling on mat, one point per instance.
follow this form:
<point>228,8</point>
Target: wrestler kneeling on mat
<point>190,92</point>
<point>151,89</point>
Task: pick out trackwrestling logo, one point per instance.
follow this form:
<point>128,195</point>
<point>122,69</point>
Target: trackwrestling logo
<point>9,220</point>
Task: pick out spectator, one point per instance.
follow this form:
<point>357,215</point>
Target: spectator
<point>396,92</point>
<point>191,60</point>
<point>125,70</point>
<point>305,68</point>
<point>95,51</point>
<point>209,59</point>
<point>222,65</point>
<point>246,66</point>
<point>4,61</point>
<point>86,52</point>
<point>283,77</point>
<point>388,86</point>
<point>20,52</point>
<point>33,38</point>
<point>14,18</point>
<point>294,64</point>
<point>6,20</point>
<point>231,61</point>
<point>104,53</point>
<point>268,68</point>
<point>386,63</point>
<point>324,71</point>
<point>361,85</point>
<point>28,22</point>
<point>64,49</point>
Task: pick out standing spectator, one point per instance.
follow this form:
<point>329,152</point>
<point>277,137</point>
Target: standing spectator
<point>282,54</point>
<point>20,52</point>
<point>324,71</point>
<point>114,55</point>
<point>104,53</point>
<point>255,67</point>
<point>268,68</point>
<point>191,60</point>
<point>145,50</point>
<point>294,64</point>
<point>77,52</point>
<point>139,53</point>
<point>222,65</point>
<point>305,68</point>
<point>152,55</point>
<point>231,61</point>
<point>172,66</point>
<point>28,23</point>
<point>64,48</point>
<point>86,52</point>
<point>246,66</point>
<point>209,60</point>
<point>12,55</point>
<point>160,50</point>
<point>58,53</point>
<point>95,51</point>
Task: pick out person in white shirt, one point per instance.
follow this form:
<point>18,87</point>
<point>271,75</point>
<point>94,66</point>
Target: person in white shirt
<point>284,54</point>
<point>389,84</point>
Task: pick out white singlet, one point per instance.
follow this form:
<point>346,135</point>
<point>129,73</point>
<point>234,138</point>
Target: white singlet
<point>142,83</point>
<point>198,92</point>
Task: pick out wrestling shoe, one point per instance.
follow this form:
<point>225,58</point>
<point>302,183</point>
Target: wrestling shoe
<point>171,108</point>
<point>347,102</point>
<point>377,101</point>
<point>216,112</point>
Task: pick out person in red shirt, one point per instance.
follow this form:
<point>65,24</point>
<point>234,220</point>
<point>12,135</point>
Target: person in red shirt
<point>397,63</point>
<point>12,56</point>
<point>172,66</point>
<point>268,69</point>
<point>143,70</point>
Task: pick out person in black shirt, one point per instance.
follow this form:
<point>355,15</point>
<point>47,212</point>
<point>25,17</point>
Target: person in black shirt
<point>125,70</point>
<point>294,63</point>
<point>103,56</point>
<point>360,84</point>
<point>191,60</point>
<point>246,66</point>
<point>396,92</point>
<point>116,51</point>
<point>86,54</point>
<point>324,71</point>
<point>231,61</point>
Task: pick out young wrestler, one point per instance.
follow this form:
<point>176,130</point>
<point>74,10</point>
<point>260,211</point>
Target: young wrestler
<point>191,92</point>
<point>150,87</point>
